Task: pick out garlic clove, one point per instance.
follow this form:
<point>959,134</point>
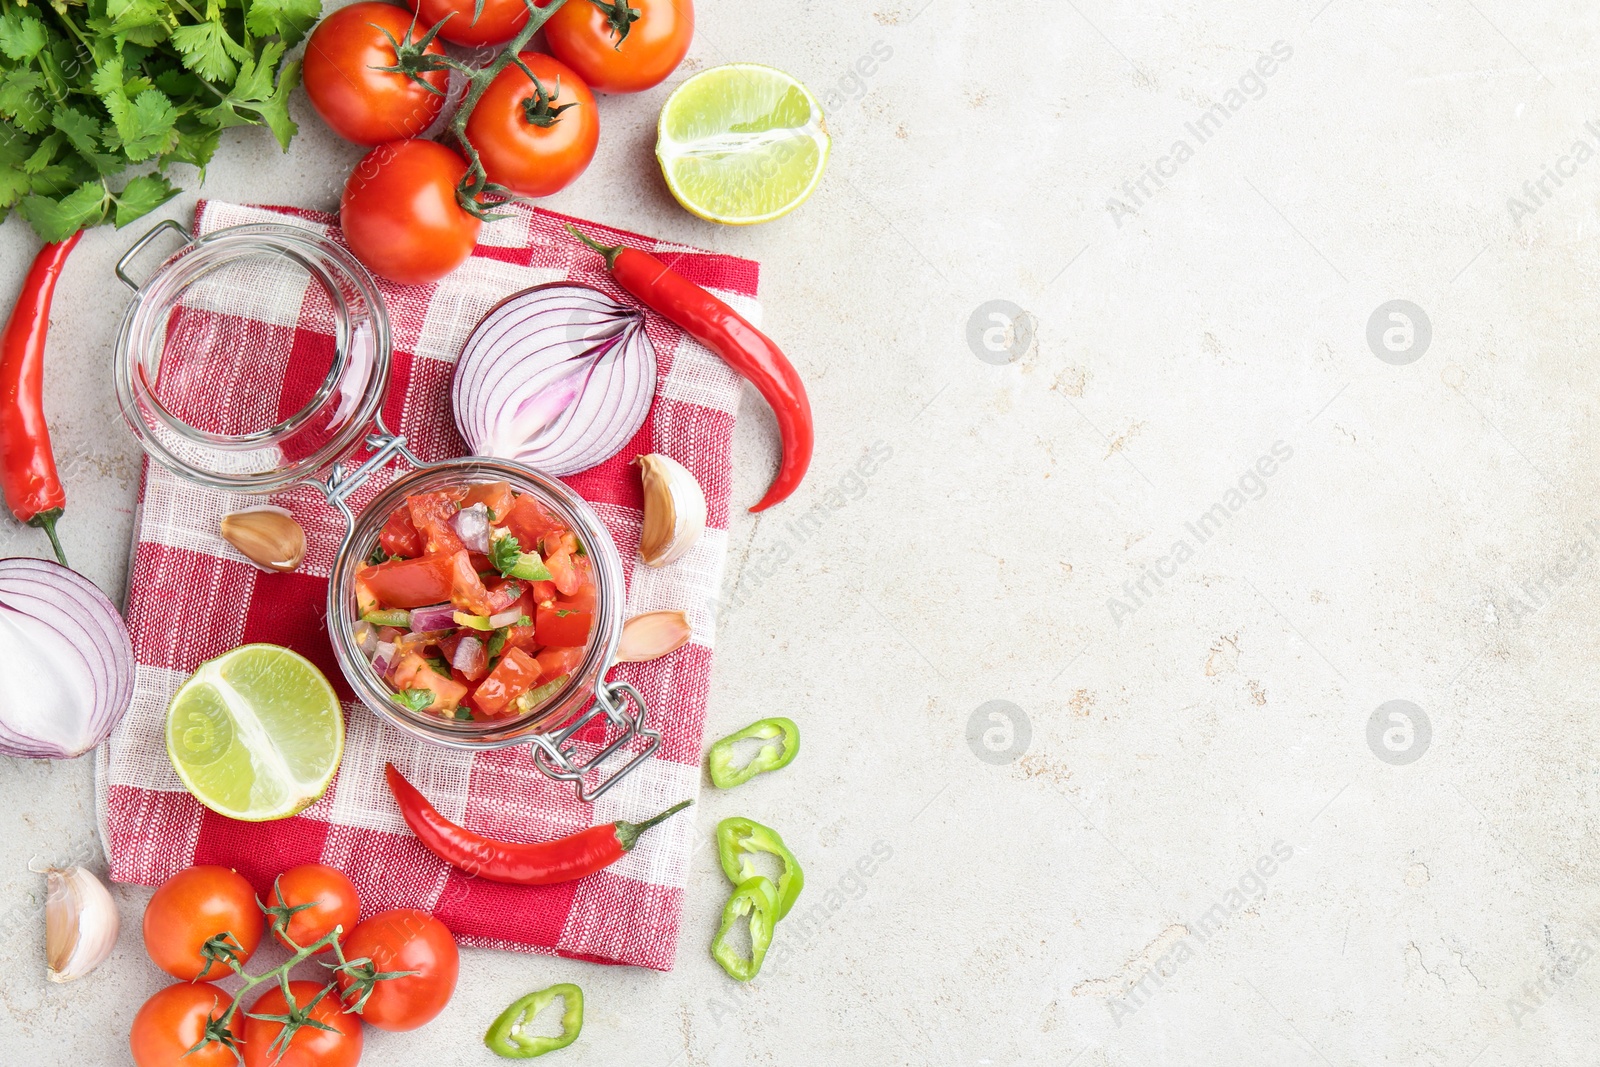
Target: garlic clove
<point>268,536</point>
<point>80,923</point>
<point>652,635</point>
<point>674,510</point>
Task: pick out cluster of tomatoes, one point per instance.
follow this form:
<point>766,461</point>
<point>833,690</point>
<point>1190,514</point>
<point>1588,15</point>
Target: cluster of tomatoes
<point>378,75</point>
<point>396,971</point>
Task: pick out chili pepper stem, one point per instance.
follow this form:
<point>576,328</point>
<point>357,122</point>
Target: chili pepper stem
<point>46,521</point>
<point>611,252</point>
<point>628,832</point>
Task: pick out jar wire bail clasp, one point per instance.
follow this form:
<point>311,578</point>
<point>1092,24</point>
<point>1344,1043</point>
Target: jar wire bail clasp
<point>342,481</point>
<point>623,708</point>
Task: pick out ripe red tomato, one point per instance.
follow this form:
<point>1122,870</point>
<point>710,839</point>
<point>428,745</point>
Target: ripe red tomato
<point>589,38</point>
<point>500,20</point>
<point>173,1021</point>
<point>191,908</point>
<point>310,1046</point>
<point>531,145</point>
<point>331,901</point>
<point>400,215</point>
<point>402,940</point>
<point>357,102</point>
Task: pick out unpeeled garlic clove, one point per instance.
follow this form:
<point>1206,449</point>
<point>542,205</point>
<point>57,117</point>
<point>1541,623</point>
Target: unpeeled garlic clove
<point>652,635</point>
<point>80,923</point>
<point>268,536</point>
<point>674,510</point>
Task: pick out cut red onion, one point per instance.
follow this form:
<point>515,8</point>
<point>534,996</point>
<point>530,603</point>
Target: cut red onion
<point>559,377</point>
<point>366,638</point>
<point>472,526</point>
<point>71,658</point>
<point>508,617</point>
<point>471,657</point>
<point>436,617</point>
<point>382,657</point>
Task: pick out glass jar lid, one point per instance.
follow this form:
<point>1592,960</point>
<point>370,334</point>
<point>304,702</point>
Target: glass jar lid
<point>254,357</point>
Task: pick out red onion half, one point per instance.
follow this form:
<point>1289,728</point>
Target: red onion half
<point>69,661</point>
<point>559,377</point>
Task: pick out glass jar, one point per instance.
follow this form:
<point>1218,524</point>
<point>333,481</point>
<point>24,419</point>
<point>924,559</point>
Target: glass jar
<point>270,276</point>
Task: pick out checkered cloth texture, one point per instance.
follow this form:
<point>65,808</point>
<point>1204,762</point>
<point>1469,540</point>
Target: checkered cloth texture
<point>191,596</point>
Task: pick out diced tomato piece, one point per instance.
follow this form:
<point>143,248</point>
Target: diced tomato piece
<point>410,583</point>
<point>531,522</point>
<point>366,599</point>
<point>563,541</point>
<point>414,672</point>
<point>448,645</point>
<point>514,675</point>
<point>554,662</point>
<point>544,594</point>
<point>480,562</point>
<point>399,536</point>
<point>582,600</point>
<point>431,514</point>
<point>563,572</point>
<point>503,593</point>
<point>496,496</point>
<point>560,625</point>
<point>466,588</point>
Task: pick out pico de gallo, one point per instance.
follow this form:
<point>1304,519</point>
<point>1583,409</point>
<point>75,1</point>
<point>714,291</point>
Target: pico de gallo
<point>477,602</point>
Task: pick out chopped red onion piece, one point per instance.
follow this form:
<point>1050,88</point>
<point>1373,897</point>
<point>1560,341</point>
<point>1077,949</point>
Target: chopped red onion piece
<point>508,617</point>
<point>434,617</point>
<point>472,526</point>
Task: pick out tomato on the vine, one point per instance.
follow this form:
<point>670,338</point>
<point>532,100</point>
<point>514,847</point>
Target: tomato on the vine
<point>309,1046</point>
<point>400,940</point>
<point>535,135</point>
<point>621,46</point>
<point>358,101</point>
<point>499,21</point>
<point>191,909</point>
<point>320,898</point>
<point>174,1021</point>
<point>400,215</point>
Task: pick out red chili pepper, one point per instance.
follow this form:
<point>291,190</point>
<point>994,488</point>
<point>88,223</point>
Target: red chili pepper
<point>728,334</point>
<point>27,467</point>
<point>540,863</point>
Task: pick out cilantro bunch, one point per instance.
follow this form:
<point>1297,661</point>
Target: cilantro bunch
<point>90,88</point>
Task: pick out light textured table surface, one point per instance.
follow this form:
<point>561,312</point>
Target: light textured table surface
<point>1179,842</point>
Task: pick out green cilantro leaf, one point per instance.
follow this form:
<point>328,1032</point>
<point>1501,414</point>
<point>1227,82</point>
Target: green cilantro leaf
<point>207,50</point>
<point>58,219</point>
<point>415,699</point>
<point>290,19</point>
<point>21,36</point>
<point>141,196</point>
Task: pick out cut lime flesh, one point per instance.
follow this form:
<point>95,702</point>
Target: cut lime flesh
<point>256,734</point>
<point>741,144</point>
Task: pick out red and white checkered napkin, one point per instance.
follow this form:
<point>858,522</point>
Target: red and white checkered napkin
<point>191,596</point>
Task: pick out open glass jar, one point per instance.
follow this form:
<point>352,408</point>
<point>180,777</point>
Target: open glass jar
<point>222,400</point>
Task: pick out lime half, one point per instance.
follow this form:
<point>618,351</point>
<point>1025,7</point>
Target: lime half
<point>256,734</point>
<point>741,143</point>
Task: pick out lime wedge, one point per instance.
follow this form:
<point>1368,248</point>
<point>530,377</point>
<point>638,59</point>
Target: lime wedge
<point>256,734</point>
<point>741,143</point>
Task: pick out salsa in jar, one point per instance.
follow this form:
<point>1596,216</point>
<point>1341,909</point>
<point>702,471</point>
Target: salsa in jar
<point>477,603</point>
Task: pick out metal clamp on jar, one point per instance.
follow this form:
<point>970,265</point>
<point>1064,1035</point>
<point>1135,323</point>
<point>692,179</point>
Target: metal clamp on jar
<point>273,274</point>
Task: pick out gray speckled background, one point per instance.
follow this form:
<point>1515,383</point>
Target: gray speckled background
<point>1174,844</point>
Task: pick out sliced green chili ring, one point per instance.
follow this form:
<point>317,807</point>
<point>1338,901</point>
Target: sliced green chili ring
<point>719,761</point>
<point>534,697</point>
<point>739,838</point>
<point>402,619</point>
<point>754,900</point>
<point>505,1036</point>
